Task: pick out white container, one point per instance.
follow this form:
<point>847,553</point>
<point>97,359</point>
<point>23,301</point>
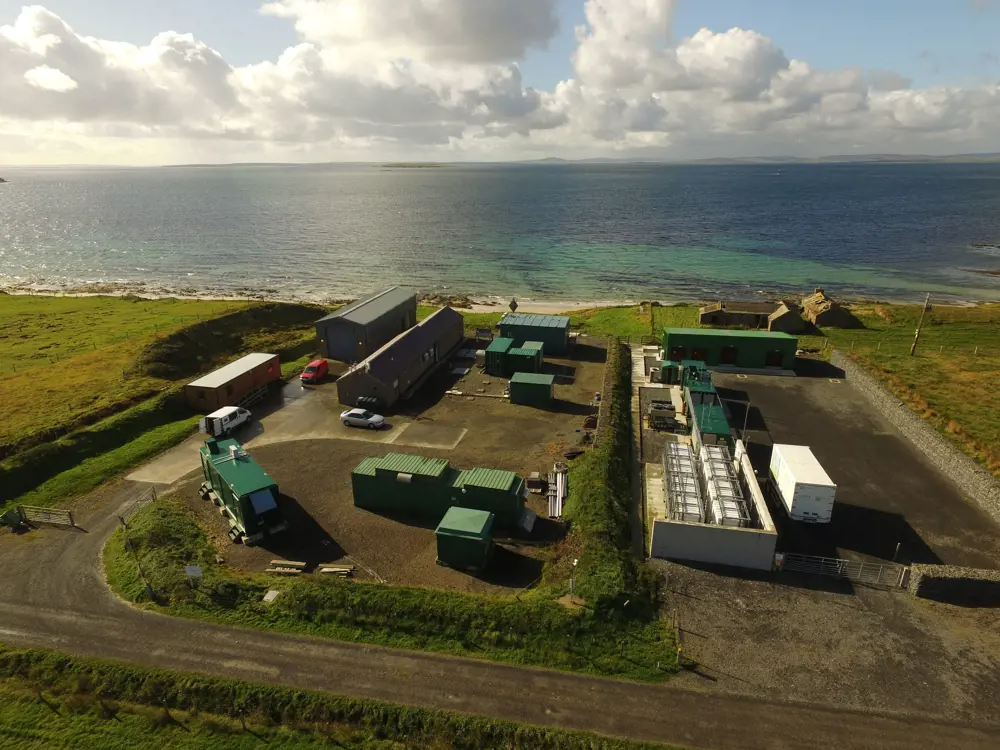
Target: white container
<point>803,486</point>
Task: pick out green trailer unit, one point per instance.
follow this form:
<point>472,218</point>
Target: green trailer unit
<point>550,330</point>
<point>496,357</point>
<point>465,539</point>
<point>749,350</point>
<point>247,493</point>
<point>532,389</point>
<point>426,487</point>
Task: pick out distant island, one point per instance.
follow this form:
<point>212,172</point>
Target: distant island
<point>412,165</point>
<point>2,179</point>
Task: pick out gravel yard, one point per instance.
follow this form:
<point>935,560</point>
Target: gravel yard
<point>867,649</point>
<point>314,478</point>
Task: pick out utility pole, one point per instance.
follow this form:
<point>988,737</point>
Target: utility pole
<point>916,336</point>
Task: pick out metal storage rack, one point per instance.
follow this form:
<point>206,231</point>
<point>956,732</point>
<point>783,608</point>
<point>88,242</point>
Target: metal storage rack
<point>725,503</point>
<point>680,480</point>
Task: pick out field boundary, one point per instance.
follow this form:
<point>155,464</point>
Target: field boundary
<point>974,481</point>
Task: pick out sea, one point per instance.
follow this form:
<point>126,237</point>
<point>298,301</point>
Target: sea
<point>573,232</point>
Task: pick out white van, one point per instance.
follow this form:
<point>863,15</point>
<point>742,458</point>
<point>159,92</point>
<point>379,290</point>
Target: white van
<point>224,420</point>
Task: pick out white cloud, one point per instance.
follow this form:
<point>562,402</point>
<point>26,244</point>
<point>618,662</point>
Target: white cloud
<point>49,79</point>
<point>434,79</point>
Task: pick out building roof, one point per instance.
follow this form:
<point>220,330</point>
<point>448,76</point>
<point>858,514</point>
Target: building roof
<point>534,321</point>
<point>232,371</point>
<point>369,309</point>
<point>476,524</point>
<point>534,346</point>
<point>491,479</point>
<point>392,359</point>
<point>535,378</point>
<point>711,419</point>
<point>751,308</point>
<point>402,463</point>
<point>726,333</point>
<point>500,345</point>
<point>242,474</point>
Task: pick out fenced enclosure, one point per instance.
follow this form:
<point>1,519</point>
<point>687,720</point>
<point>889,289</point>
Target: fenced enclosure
<point>34,514</point>
<point>887,575</point>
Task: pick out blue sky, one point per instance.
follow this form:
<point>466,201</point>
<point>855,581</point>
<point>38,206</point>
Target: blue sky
<point>929,41</point>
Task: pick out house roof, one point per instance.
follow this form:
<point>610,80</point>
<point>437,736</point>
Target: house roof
<point>232,371</point>
<point>535,321</point>
<point>392,359</point>
<point>491,479</point>
<point>369,309</point>
<point>753,308</point>
<point>536,378</point>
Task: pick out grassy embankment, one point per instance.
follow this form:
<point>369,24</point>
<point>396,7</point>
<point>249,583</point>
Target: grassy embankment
<point>617,633</point>
<point>52,700</point>
<point>89,386</point>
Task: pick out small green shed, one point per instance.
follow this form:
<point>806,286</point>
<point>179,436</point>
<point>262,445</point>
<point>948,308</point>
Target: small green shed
<point>526,358</point>
<point>496,357</point>
<point>551,330</point>
<point>532,389</point>
<point>465,539</point>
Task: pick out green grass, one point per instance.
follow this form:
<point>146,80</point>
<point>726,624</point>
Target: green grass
<point>71,362</point>
<point>54,700</point>
<point>535,630</point>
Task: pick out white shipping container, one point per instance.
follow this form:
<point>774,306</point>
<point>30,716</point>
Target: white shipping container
<point>803,486</point>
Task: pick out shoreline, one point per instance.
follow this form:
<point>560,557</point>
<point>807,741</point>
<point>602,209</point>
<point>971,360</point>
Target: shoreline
<point>460,302</point>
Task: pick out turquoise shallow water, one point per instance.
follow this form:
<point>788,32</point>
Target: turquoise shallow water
<point>572,232</point>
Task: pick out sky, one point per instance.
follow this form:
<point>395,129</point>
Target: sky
<point>150,82</point>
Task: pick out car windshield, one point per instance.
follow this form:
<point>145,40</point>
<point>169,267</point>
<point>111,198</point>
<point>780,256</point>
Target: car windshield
<point>310,368</point>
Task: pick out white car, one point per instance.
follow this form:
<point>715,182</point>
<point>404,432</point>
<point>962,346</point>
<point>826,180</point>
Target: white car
<point>363,418</point>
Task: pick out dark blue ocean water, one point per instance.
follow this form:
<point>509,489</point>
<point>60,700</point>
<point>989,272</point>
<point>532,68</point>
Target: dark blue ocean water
<point>573,232</point>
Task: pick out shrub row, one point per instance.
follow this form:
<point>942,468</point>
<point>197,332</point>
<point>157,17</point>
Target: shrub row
<point>273,704</point>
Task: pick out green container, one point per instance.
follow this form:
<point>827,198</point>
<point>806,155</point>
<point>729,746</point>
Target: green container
<point>425,488</point>
<point>465,539</point>
<point>532,389</point>
<point>496,357</point>
<point>748,350</point>
<point>244,488</point>
<point>552,330</point>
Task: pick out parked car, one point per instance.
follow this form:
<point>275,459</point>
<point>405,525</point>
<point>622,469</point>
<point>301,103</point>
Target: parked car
<point>223,421</point>
<point>315,371</point>
<point>363,418</point>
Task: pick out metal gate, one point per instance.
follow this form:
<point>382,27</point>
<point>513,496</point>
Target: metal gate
<point>32,514</point>
<point>144,498</point>
<point>873,574</point>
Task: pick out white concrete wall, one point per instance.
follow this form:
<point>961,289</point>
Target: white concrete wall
<point>707,543</point>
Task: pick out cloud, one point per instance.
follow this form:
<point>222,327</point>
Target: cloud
<point>49,79</point>
<point>437,79</point>
<point>455,30</point>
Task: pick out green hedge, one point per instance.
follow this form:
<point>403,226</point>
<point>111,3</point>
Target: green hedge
<point>112,681</point>
<point>599,504</point>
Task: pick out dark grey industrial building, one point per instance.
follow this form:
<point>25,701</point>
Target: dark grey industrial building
<point>357,330</point>
<point>400,367</point>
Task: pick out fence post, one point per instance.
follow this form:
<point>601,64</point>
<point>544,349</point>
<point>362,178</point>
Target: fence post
<point>22,514</point>
<point>71,521</point>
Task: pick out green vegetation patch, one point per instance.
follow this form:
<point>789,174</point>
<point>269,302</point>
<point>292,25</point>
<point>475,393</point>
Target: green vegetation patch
<point>533,629</point>
<point>53,700</point>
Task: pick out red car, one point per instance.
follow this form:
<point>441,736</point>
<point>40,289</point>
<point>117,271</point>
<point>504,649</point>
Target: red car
<point>315,371</point>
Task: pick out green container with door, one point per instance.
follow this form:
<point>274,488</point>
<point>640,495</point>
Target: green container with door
<point>465,539</point>
<point>532,389</point>
<point>496,357</point>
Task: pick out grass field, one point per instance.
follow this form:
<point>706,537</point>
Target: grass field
<point>88,384</point>
<point>50,700</point>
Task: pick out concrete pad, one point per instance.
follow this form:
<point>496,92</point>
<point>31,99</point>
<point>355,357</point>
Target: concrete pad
<point>440,437</point>
<point>173,465</point>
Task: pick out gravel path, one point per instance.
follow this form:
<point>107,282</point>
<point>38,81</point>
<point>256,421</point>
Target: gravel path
<point>976,483</point>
